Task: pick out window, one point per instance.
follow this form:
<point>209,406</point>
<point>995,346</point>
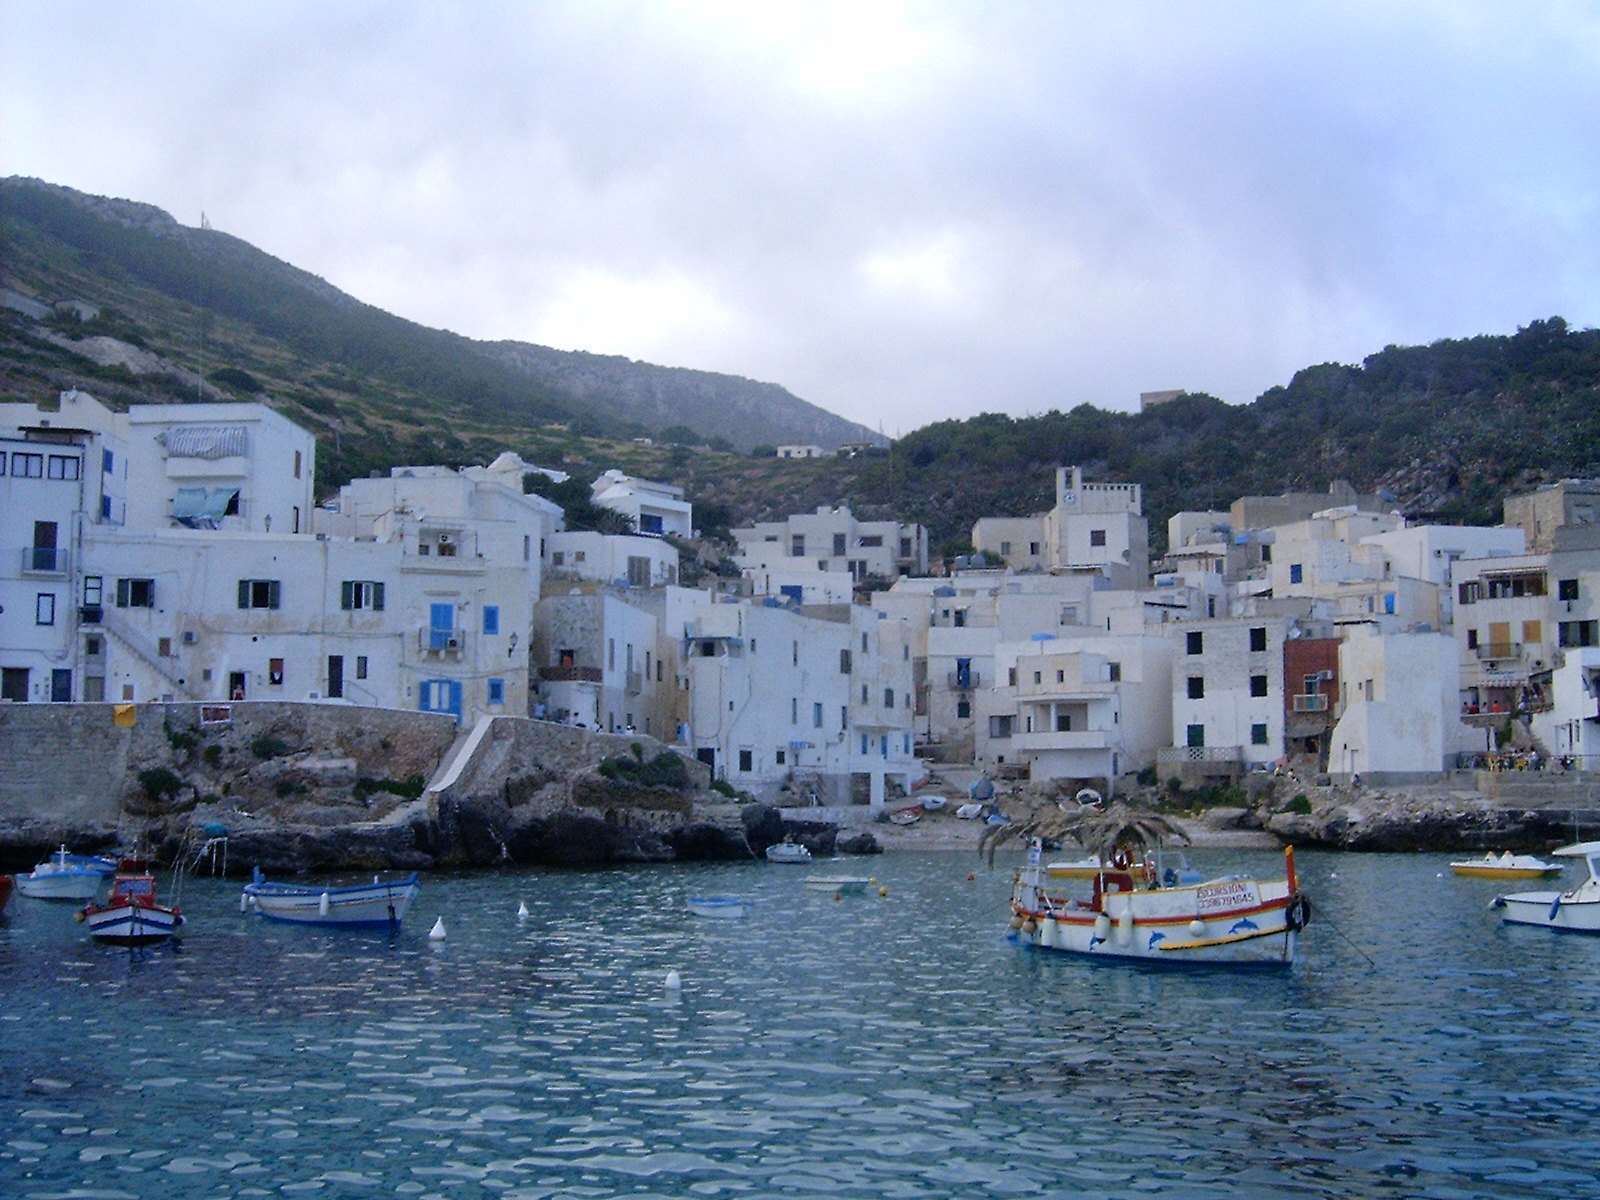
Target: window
<point>844,662</point>
<point>839,546</point>
<point>491,619</point>
<point>1532,633</point>
<point>93,587</point>
<point>816,715</point>
<point>1000,727</point>
<point>1472,639</point>
<point>638,570</point>
<point>1005,549</point>
<point>1578,633</point>
<point>963,709</point>
<point>1195,735</point>
<point>558,558</point>
<point>1097,537</point>
<point>27,466</point>
<point>44,608</point>
<point>164,647</point>
<point>297,464</point>
<point>1033,549</point>
<point>1038,678</point>
<point>65,467</point>
<point>864,693</point>
<point>1258,734</point>
<point>136,593</point>
<point>258,593</point>
<point>1258,639</point>
<point>797,546</point>
<point>107,462</point>
<point>864,743</point>
<point>746,760</point>
<point>1063,722</point>
<point>357,594</point>
<point>1194,642</point>
<point>1061,676</point>
<point>275,672</point>
<point>1566,589</point>
<point>1258,685</point>
<point>780,758</point>
<point>1197,687</point>
<point>1114,672</point>
<point>361,666</point>
<point>497,691</point>
<point>1296,573</point>
<point>888,697</point>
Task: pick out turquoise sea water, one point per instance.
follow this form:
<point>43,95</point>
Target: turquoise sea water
<point>874,1046</point>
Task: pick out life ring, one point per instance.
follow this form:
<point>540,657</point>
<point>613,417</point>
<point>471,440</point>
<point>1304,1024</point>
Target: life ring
<point>1121,859</point>
<point>1298,914</point>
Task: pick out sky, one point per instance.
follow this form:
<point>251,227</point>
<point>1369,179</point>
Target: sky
<point>901,212</point>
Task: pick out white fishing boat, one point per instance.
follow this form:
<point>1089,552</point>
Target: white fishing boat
<point>932,803</point>
<point>130,915</point>
<point>1577,911</point>
<point>379,904</point>
<point>718,906</point>
<point>65,876</point>
<point>839,885</point>
<point>787,851</point>
<point>1505,865</point>
<point>1228,920</point>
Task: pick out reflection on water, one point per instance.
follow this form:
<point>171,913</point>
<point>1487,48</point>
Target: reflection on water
<point>877,1045</point>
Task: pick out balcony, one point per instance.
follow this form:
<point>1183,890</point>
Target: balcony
<point>39,560</point>
<point>90,614</point>
<point>1486,650</point>
<point>1311,702</point>
<point>1075,739</point>
<point>442,643</point>
<point>570,674</point>
<point>961,681</point>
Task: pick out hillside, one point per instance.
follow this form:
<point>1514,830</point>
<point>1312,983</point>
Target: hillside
<point>204,300</point>
<point>1448,429</point>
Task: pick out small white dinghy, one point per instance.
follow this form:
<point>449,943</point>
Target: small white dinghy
<point>719,906</point>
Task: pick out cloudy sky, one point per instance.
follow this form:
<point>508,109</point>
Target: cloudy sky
<point>902,212</point>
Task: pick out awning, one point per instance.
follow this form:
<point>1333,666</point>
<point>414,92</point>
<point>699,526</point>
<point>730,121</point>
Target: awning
<point>189,503</point>
<point>217,502</point>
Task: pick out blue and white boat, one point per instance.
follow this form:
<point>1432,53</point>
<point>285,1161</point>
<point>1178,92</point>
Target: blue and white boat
<point>65,876</point>
<point>380,904</point>
<point>130,916</point>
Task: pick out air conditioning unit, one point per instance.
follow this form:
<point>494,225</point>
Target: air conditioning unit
<point>452,644</point>
<point>444,539</point>
<point>188,637</point>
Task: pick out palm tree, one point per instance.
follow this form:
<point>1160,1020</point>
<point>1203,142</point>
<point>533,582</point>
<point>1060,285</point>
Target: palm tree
<point>1100,831</point>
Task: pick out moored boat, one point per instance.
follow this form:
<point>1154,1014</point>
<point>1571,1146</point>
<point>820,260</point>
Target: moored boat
<point>130,915</point>
<point>66,876</point>
<point>1505,865</point>
<point>839,885</point>
<point>718,906</point>
<point>379,904</point>
<point>909,815</point>
<point>788,851</point>
<point>1576,911</point>
<point>1230,920</point>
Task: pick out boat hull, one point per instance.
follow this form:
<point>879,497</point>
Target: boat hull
<point>1473,871</point>
<point>133,924</point>
<point>841,885</point>
<point>1552,910</point>
<point>61,885</point>
<point>725,907</point>
<point>1223,922</point>
<point>378,905</point>
<point>788,852</point>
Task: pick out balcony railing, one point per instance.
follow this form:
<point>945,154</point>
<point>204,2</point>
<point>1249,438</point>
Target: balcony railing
<point>1309,702</point>
<point>570,674</point>
<point>1498,650</point>
<point>964,680</point>
<point>37,560</point>
<point>452,642</point>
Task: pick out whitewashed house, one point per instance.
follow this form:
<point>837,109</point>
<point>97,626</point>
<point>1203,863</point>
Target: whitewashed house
<point>778,556</point>
<point>656,509</point>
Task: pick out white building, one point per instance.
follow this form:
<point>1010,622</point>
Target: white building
<point>1400,717</point>
<point>1093,528</point>
<point>656,509</point>
<point>829,540</point>
<point>1228,703</point>
<point>821,704</point>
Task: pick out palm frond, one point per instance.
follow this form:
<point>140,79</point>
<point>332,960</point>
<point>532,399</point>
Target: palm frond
<point>1099,831</point>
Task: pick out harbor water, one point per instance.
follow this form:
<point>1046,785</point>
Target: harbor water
<point>889,1044</point>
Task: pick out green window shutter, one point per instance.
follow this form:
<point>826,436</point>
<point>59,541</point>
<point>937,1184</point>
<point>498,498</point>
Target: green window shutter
<point>377,596</point>
<point>244,593</point>
<point>122,593</point>
<point>347,595</point>
<point>273,591</point>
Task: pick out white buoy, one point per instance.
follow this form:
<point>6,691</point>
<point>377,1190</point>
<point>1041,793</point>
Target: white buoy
<point>322,905</point>
<point>1197,928</point>
<point>522,911</point>
<point>437,932</point>
<point>244,901</point>
<point>674,981</point>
